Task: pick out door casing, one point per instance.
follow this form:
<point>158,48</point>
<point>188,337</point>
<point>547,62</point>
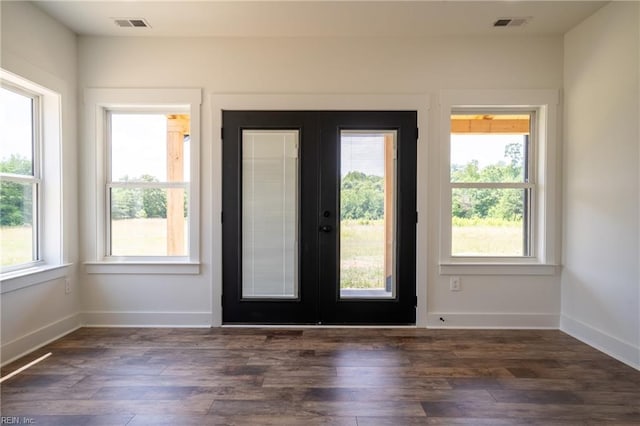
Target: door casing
<point>220,102</point>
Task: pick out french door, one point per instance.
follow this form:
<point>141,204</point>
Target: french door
<point>319,217</point>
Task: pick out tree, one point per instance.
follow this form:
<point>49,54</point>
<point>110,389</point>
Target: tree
<point>362,196</point>
<point>154,200</point>
<point>482,203</point>
<point>16,200</point>
<point>126,203</point>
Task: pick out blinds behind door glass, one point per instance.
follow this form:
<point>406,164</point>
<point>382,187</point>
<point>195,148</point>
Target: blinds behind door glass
<point>270,213</point>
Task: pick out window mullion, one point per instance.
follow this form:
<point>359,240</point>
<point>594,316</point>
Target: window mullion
<point>490,185</point>
<point>25,179</point>
<point>159,185</point>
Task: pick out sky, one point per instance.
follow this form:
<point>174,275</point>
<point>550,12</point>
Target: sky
<point>362,153</point>
<point>487,149</point>
<point>15,125</point>
<point>139,146</point>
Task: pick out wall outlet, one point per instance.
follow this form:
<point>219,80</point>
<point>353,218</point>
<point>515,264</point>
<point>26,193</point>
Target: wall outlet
<point>454,284</point>
<point>67,286</point>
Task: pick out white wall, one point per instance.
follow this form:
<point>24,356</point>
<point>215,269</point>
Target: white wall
<point>600,280</point>
<point>316,65</point>
<point>38,48</point>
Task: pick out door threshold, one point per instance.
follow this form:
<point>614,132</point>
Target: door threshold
<point>313,326</point>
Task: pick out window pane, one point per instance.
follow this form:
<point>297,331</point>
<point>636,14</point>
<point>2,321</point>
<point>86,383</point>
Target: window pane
<point>270,213</point>
<point>149,222</point>
<point>16,223</point>
<point>16,133</point>
<point>488,158</point>
<point>489,147</point>
<point>489,222</point>
<point>149,147</point>
<point>367,200</point>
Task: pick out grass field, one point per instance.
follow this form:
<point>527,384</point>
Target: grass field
<point>362,245</point>
<point>141,237</point>
<point>16,245</point>
<point>486,237</point>
<point>362,254</point>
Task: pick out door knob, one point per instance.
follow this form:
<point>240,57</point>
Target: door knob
<point>326,228</point>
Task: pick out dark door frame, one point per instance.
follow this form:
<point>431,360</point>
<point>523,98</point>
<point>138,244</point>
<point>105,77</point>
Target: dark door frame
<point>312,304</point>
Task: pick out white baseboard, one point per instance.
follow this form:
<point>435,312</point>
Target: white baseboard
<point>610,345</point>
<point>36,339</point>
<point>146,319</point>
<point>493,321</point>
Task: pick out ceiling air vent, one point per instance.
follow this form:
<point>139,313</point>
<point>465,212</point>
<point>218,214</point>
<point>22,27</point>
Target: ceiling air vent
<point>511,22</point>
<point>131,23</point>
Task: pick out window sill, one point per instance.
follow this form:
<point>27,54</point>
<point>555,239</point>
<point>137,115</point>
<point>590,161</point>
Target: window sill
<point>15,280</point>
<point>144,268</point>
<point>497,269</point>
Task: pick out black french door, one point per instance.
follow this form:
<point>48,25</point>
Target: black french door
<point>319,217</point>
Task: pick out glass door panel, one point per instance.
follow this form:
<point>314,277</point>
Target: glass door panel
<point>367,204</point>
<point>270,214</point>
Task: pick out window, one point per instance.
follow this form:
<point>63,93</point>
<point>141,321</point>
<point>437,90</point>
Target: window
<point>148,183</point>
<point>147,179</point>
<point>492,183</point>
<point>20,174</point>
<point>32,247</point>
<point>499,182</point>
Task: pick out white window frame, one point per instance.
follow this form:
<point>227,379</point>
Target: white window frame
<point>543,171</point>
<point>34,179</point>
<point>49,260</point>
<point>99,104</point>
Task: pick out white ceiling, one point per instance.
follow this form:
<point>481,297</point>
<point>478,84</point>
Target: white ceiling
<point>266,18</point>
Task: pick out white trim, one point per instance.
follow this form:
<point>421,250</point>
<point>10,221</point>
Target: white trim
<point>497,269</point>
<point>97,102</point>
<point>148,268</point>
<point>36,339</point>
<point>48,227</point>
<point>517,98</point>
<point>493,321</point>
<point>319,102</point>
<point>319,326</point>
<point>545,217</point>
<point>146,319</point>
<point>622,351</point>
<point>27,277</point>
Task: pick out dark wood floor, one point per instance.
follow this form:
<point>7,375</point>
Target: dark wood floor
<point>322,376</point>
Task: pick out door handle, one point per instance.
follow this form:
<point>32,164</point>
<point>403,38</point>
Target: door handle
<point>326,228</point>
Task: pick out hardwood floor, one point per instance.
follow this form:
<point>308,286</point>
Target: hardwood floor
<point>102,376</point>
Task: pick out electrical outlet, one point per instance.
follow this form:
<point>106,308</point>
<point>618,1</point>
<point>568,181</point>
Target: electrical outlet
<point>454,284</point>
<point>67,286</point>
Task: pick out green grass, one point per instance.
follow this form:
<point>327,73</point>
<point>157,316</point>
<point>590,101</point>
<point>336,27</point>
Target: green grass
<point>16,245</point>
<point>362,244</point>
<point>486,237</point>
<point>141,237</point>
<point>362,254</point>
<point>131,237</point>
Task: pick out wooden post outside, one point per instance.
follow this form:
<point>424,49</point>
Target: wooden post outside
<point>177,128</point>
<point>388,208</point>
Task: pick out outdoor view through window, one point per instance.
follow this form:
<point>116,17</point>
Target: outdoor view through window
<point>367,200</point>
<point>148,185</point>
<point>19,180</point>
<point>491,186</point>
